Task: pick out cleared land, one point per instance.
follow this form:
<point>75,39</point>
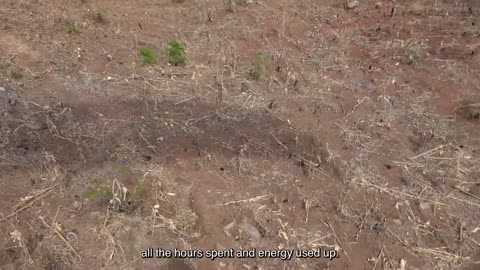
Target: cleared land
<point>274,124</point>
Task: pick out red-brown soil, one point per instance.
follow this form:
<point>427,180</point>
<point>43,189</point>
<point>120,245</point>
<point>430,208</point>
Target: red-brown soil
<point>359,132</point>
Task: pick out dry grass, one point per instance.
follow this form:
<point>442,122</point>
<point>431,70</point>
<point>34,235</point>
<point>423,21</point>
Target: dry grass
<point>212,96</point>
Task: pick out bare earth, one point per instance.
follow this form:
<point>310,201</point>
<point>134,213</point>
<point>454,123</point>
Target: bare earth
<point>293,125</point>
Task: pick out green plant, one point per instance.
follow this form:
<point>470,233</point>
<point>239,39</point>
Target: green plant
<point>176,53</point>
<point>71,27</point>
<point>148,55</point>
<point>138,190</point>
<point>98,190</point>
<point>120,169</point>
<point>16,73</point>
<point>260,69</point>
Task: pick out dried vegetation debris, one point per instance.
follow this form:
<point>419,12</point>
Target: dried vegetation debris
<point>266,124</point>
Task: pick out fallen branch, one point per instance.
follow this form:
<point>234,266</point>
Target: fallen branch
<point>429,151</point>
<point>247,200</point>
<point>60,235</point>
<point>29,202</point>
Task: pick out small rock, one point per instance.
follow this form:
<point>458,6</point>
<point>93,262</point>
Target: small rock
<point>2,89</point>
<point>77,205</point>
<point>397,222</point>
<point>222,264</point>
<point>251,230</point>
<point>403,264</point>
<point>378,5</point>
<point>227,229</point>
<point>352,4</point>
<point>230,225</point>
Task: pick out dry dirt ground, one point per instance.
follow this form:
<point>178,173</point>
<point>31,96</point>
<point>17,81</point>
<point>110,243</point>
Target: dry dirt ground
<point>293,124</point>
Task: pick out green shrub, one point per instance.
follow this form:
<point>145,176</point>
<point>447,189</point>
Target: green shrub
<point>260,70</point>
<point>98,190</point>
<point>176,53</point>
<point>16,73</point>
<point>71,27</point>
<point>148,55</point>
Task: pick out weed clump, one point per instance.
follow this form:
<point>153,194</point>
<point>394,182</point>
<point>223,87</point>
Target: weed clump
<point>259,71</point>
<point>148,55</point>
<point>230,5</point>
<point>176,53</point>
<point>71,27</point>
<point>138,190</point>
<point>413,60</point>
<point>98,190</point>
<point>16,73</point>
